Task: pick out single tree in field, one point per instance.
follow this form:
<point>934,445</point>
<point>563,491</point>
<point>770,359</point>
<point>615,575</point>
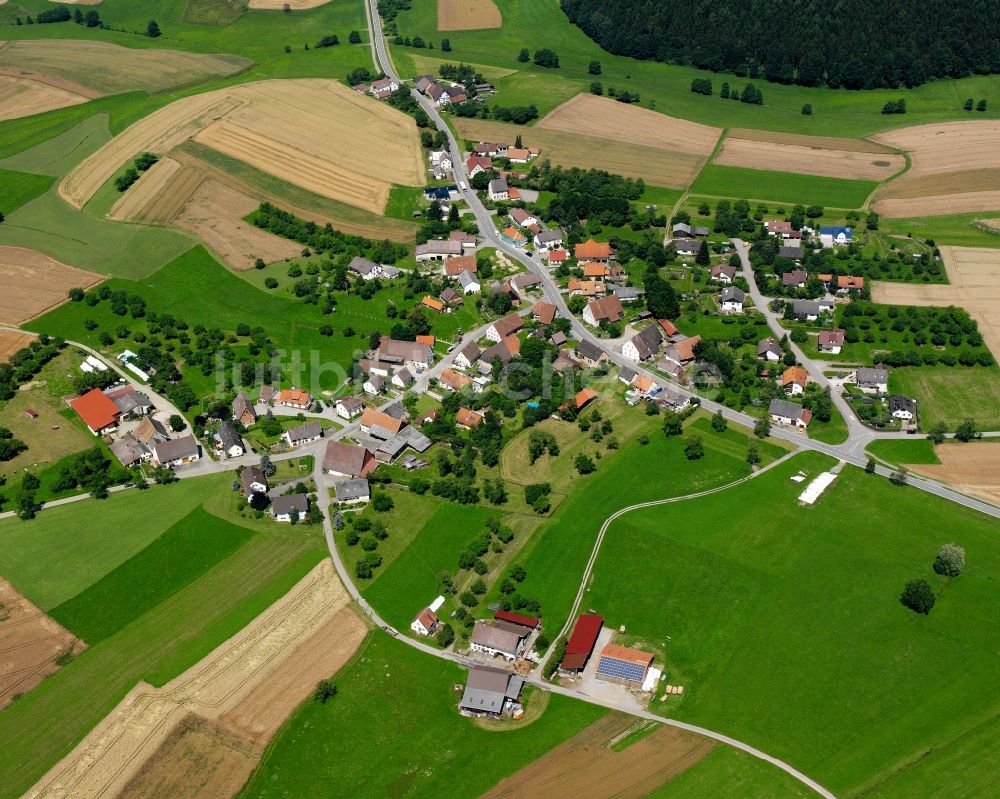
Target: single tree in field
<point>517,141</point>
<point>152,29</point>
<point>719,423</point>
<point>870,466</point>
<point>966,431</point>
<point>967,105</point>
<point>594,68</point>
<point>325,690</point>
<point>918,596</point>
<point>693,448</point>
<point>354,37</point>
<point>446,47</point>
<point>807,110</point>
<point>753,454</point>
<point>898,477</point>
<point>981,105</point>
<point>673,425</point>
<point>950,560</point>
<point>937,433</point>
<point>524,56</point>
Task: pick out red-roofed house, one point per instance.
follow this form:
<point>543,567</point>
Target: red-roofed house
<point>543,312</point>
<point>98,412</point>
<point>831,341</point>
<point>591,250</point>
<point>477,164</point>
<point>584,397</point>
<point>581,643</point>
<point>294,398</point>
<point>468,419</point>
<point>518,618</point>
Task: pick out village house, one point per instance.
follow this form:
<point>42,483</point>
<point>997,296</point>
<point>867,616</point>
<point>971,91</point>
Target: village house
<point>505,350</point>
<point>348,407</point>
<point>467,240</point>
<point>769,350</point>
<point>365,268</point>
<point>467,356</point>
<point>543,312</point>
<point>97,411</point>
<point>129,450</point>
<point>290,506</point>
<point>295,398</point>
<point>267,394</point>
<point>549,240</point>
<point>348,460</point>
<point>523,218</point>
<point>831,341</point>
<point>849,283</point>
<point>456,94</point>
<point>623,665</point>
<point>402,378</point>
<point>505,327</point>
<point>414,355</point>
<point>556,257</point>
<point>426,622</point>
<point>131,404</point>
<point>498,190</point>
<point>687,246</point>
<point>790,414</point>
<point>521,155</point>
<point>810,310</point>
<point>604,309</point>
<point>792,251</point>
<point>468,419</point>
<point>722,273</point>
<point>626,293</point>
<point>498,639</point>
<point>253,481</point>
<point>351,492</point>
<point>175,451</point>
<point>681,353</point>
<point>731,299</point>
<point>453,267</point>
<point>835,236</point>
<point>380,425</point>
<point>795,279</point>
<point>440,162</point>
<point>303,434</point>
<point>150,429</point>
<point>591,250</point>
<point>902,408</point>
<point>477,164</point>
<point>586,288</point>
<point>793,380</point>
<point>243,410</point>
<point>451,380</point>
<point>374,384</point>
<point>437,250</point>
<point>229,441</point>
<point>593,269</point>
<point>643,345</point>
<point>872,380</point>
<point>433,304</point>
<point>489,691</point>
<point>782,229</point>
<point>513,236</point>
<point>590,353</point>
<point>521,283</point>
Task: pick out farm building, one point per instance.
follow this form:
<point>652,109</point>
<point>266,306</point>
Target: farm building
<point>498,639</point>
<point>130,403</point>
<point>351,491</point>
<point>511,617</point>
<point>605,308</point>
<point>243,410</point>
<point>581,642</point>
<point>437,250</point>
<point>489,690</point>
<point>346,460</point>
<point>97,411</point>
<point>303,434</point>
<point>789,413</point>
<point>176,451</point>
<point>620,664</point>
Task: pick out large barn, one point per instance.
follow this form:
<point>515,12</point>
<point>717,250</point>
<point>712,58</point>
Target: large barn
<point>623,665</point>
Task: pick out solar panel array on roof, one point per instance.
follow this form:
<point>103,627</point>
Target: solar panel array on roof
<point>612,667</point>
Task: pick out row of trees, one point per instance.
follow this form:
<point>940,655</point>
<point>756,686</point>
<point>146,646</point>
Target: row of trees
<point>543,58</point>
<point>750,94</point>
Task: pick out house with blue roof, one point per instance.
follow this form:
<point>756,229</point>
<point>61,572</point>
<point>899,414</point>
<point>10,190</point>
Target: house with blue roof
<point>835,236</point>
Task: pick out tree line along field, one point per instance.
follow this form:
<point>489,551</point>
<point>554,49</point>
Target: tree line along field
<point>90,562</point>
<point>739,607</point>
<point>836,112</point>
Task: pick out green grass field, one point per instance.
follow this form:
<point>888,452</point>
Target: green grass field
<point>409,743</point>
<point>785,187</point>
<point>42,726</point>
<point>730,772</point>
<point>783,622</point>
<point>18,188</point>
<point>956,229</point>
<point>951,395</point>
<point>897,451</point>
<point>178,557</point>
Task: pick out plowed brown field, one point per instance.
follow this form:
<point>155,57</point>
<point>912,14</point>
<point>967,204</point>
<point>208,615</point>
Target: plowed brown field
<point>11,341</point>
<point>584,766</point>
<point>21,97</point>
<point>971,468</point>
<point>229,680</point>
<point>955,168</point>
<point>33,283</point>
<point>468,15</point>
<point>30,642</point>
<point>306,132</point>
<point>974,275</point>
<point>214,213</point>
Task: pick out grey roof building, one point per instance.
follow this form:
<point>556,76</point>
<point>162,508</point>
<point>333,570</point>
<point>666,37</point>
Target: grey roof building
<point>305,432</point>
<point>785,409</point>
<point>352,490</point>
<point>229,438</point>
<point>290,504</point>
<point>626,293</point>
<point>488,689</point>
<point>732,294</point>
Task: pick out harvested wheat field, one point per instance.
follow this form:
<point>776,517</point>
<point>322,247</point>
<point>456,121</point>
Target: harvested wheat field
<point>111,69</point>
<point>971,468</point>
<point>33,283</point>
<point>228,680</point>
<point>21,97</point>
<point>294,5</point>
<point>468,15</point>
<point>80,2</point>
<point>660,167</point>
<point>13,340</point>
<point>974,275</point>
<point>585,766</point>
<point>955,168</point>
<point>214,213</point>
<point>604,118</point>
<point>30,642</point>
<point>809,159</point>
<point>306,132</point>
<point>150,184</point>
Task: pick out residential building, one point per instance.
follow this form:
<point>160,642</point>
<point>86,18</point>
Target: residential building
<point>590,353</point>
<point>467,356</point>
<point>604,309</point>
<point>512,235</point>
<point>467,240</point>
<point>295,398</point>
<point>441,161</point>
<point>498,639</point>
<point>831,341</point>
<point>557,256</point>
<point>835,236</point>
<point>521,155</point>
<point>253,481</point>
<point>402,378</point>
<point>150,429</point>
<point>581,643</point>
<point>425,623</point>
<point>792,252</point>
<point>903,408</point>
<point>782,229</point>
<point>175,451</point>
<point>450,297</point>
<point>380,425</point>
<point>789,414</point>
<point>586,288</point>
<point>622,665</point>
<point>453,267</point>
<point>731,299</point>
<point>543,312</point>
<point>451,380</point>
<point>520,284</point>
<point>437,250</point>
<point>365,268</point>
<point>267,394</point>
<point>722,273</point>
<point>97,411</point>
<point>303,434</point>
<point>523,218</point>
<point>505,327</point>
<point>468,419</point>
<point>489,691</point>
<point>414,355</point>
<point>873,380</point>
<point>549,240</point>
<point>795,279</point>
<point>687,246</point>
<point>498,189</point>
<point>348,460</point>
<point>793,380</point>
<point>374,384</point>
<point>290,506</point>
<point>350,492</point>
<point>591,250</point>
<point>349,407</point>
<point>626,293</point>
<point>769,350</point>
<point>129,450</point>
<point>810,310</point>
<point>477,164</point>
<point>644,344</point>
<point>593,269</point>
<point>505,350</point>
<point>243,410</point>
<point>229,440</point>
<point>681,352</point>
<point>848,283</point>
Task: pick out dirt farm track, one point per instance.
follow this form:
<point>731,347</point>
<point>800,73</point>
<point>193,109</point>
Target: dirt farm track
<point>244,688</point>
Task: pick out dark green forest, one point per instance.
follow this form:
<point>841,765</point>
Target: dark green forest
<point>853,44</point>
